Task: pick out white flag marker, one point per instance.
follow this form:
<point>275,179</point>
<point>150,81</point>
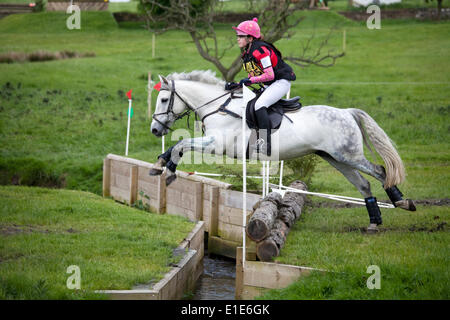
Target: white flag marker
<point>129,121</point>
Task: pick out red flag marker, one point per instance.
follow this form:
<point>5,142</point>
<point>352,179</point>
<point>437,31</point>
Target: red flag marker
<point>157,86</point>
<point>129,94</point>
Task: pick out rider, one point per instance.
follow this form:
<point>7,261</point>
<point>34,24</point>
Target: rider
<point>264,65</point>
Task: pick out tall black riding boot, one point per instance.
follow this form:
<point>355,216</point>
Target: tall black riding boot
<point>264,123</point>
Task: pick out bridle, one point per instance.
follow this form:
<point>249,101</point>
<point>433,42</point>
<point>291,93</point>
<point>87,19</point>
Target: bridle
<point>190,109</point>
<point>170,107</point>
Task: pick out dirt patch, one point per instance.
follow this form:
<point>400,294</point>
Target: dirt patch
<point>438,227</point>
<point>419,14</point>
<point>10,230</point>
<point>41,55</point>
<point>441,226</point>
<point>343,205</point>
<point>434,202</point>
<point>11,257</point>
<point>128,17</point>
<point>353,229</point>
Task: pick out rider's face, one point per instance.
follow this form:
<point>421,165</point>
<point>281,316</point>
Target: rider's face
<point>242,41</point>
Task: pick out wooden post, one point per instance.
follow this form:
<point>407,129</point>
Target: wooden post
<point>161,205</point>
<point>149,95</point>
<point>239,286</point>
<point>153,45</point>
<point>133,184</point>
<point>214,211</point>
<point>198,205</point>
<point>107,177</point>
<point>344,40</point>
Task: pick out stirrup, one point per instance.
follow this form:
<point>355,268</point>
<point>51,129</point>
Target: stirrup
<point>261,146</point>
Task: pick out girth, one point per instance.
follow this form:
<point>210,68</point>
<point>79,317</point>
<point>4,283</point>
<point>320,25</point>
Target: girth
<point>223,109</point>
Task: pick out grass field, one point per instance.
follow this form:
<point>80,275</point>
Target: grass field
<point>45,231</point>
<point>59,119</point>
<point>411,251</point>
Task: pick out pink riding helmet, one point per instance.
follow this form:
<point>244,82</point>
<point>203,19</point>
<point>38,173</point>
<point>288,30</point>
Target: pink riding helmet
<point>249,27</point>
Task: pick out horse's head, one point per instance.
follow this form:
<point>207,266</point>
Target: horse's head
<point>169,108</point>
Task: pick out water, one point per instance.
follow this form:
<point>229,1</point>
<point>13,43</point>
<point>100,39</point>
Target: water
<point>218,279</point>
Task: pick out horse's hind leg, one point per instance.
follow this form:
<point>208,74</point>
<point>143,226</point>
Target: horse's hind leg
<point>363,187</point>
<point>379,173</point>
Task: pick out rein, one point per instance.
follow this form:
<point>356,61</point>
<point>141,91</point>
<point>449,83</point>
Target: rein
<point>190,108</point>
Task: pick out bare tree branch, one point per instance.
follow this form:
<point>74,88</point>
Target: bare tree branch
<point>276,17</point>
<point>318,58</point>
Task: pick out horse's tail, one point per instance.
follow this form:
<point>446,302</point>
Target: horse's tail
<point>395,170</point>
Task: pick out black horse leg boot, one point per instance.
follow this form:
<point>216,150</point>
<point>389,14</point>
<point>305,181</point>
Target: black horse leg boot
<point>374,213</point>
<point>163,159</point>
<point>396,197</point>
<point>263,123</point>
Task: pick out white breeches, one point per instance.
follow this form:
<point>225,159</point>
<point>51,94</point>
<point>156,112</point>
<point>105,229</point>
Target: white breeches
<point>273,93</point>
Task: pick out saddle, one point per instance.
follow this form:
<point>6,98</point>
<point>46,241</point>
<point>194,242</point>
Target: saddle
<point>275,112</point>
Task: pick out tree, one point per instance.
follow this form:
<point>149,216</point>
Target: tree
<point>277,20</point>
<point>439,7</point>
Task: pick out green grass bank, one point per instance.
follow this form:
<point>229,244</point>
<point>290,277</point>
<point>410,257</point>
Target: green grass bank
<point>411,251</point>
<point>59,119</point>
<point>45,231</point>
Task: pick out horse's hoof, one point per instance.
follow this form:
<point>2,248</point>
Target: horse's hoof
<point>155,172</point>
<point>170,179</point>
<point>406,204</point>
<point>372,228</point>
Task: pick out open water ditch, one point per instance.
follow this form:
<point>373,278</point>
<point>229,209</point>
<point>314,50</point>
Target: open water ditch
<point>218,279</point>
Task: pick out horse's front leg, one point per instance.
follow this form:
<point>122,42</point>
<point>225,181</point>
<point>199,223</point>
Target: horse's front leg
<point>171,158</point>
<point>163,159</point>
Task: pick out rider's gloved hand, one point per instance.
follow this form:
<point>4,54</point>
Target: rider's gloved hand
<point>245,81</point>
<point>231,85</point>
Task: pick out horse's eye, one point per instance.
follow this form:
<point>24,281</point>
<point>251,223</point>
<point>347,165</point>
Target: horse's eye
<point>164,100</point>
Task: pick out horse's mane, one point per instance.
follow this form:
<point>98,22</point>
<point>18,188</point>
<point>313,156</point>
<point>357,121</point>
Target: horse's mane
<point>205,76</point>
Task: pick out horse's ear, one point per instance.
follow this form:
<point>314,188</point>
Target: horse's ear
<point>163,80</point>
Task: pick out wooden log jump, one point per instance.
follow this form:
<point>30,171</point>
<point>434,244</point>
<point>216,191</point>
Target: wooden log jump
<point>263,218</point>
<point>272,220</point>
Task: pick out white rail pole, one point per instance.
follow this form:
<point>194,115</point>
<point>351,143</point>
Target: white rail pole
<point>128,127</point>
<point>162,144</point>
<point>149,95</point>
<point>334,197</point>
<point>281,173</point>
<point>263,179</point>
<point>224,175</point>
<point>288,95</point>
<point>247,95</point>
